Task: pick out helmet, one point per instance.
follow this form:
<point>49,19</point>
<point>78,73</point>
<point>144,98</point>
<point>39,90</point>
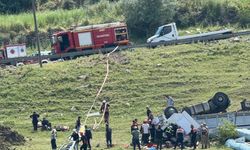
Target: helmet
<point>104,101</point>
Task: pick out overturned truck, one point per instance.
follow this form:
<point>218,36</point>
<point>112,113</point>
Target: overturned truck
<point>218,103</point>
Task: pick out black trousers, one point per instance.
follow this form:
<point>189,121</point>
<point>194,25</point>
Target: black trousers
<point>89,143</point>
<point>34,126</point>
<point>193,143</point>
<point>109,142</point>
<point>136,142</point>
<point>159,143</point>
<point>179,141</point>
<point>53,144</point>
<point>84,147</point>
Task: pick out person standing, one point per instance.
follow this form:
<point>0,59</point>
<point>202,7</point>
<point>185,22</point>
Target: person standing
<point>88,136</point>
<point>75,137</point>
<point>148,111</point>
<point>179,137</point>
<point>78,124</point>
<point>53,138</point>
<point>134,125</point>
<point>159,136</point>
<point>145,132</point>
<point>108,136</point>
<point>84,140</point>
<point>193,137</point>
<point>105,109</point>
<point>170,101</point>
<point>34,117</point>
<point>204,137</point>
<point>135,138</point>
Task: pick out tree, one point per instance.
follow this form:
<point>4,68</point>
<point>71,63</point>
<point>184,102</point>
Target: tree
<point>15,6</point>
<point>144,16</point>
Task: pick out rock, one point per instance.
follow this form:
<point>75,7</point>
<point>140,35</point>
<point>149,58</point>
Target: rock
<point>128,71</point>
<point>236,39</point>
<point>73,108</point>
<point>84,77</point>
<point>158,65</point>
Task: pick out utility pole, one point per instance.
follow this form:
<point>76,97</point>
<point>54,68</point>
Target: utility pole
<point>36,32</point>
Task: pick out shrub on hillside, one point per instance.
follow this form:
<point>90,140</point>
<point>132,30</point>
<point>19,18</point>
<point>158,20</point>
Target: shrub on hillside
<point>50,5</point>
<point>144,16</point>
<point>226,131</point>
<point>68,4</point>
<point>245,16</point>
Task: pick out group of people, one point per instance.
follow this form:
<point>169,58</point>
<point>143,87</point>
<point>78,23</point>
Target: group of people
<point>45,124</point>
<point>152,132</point>
<point>85,137</point>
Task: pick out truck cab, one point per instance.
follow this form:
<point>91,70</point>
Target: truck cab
<point>62,42</point>
<point>164,33</point>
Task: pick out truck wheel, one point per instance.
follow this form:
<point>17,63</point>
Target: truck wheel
<point>169,111</point>
<point>221,100</point>
<point>213,107</point>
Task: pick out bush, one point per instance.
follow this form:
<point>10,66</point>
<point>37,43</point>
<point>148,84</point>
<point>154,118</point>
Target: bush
<point>144,16</point>
<point>68,4</point>
<point>226,131</point>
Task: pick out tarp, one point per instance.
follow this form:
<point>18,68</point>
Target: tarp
<point>244,133</point>
<point>184,120</point>
<point>237,146</point>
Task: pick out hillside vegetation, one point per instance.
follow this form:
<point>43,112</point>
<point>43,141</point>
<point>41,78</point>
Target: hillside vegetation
<point>140,77</point>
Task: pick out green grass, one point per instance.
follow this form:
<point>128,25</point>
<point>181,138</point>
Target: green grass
<point>24,22</point>
<point>190,73</point>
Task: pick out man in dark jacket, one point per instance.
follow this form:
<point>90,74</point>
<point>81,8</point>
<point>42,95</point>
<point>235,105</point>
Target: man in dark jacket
<point>84,142</point>
<point>34,117</point>
<point>135,138</point>
<point>108,136</point>
<point>193,135</point>
<point>159,136</point>
<point>46,125</point>
<point>75,137</point>
<point>148,111</point>
<point>78,123</point>
<point>88,136</point>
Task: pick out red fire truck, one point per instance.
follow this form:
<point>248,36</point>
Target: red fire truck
<point>13,51</point>
<point>90,37</point>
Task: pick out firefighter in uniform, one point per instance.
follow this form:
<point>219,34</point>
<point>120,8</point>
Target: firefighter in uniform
<point>179,137</point>
<point>193,137</point>
<point>204,137</point>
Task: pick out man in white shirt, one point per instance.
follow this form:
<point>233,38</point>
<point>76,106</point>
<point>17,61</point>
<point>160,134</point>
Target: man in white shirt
<point>145,132</point>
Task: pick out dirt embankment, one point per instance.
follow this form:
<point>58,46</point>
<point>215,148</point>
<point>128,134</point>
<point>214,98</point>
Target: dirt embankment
<point>9,138</point>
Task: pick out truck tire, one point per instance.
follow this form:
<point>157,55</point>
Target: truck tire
<point>213,108</point>
<point>221,100</point>
<point>169,111</point>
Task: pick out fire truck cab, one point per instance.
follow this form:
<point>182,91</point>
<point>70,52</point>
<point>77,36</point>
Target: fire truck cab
<point>90,37</point>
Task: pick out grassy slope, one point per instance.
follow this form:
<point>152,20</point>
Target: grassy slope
<point>190,73</point>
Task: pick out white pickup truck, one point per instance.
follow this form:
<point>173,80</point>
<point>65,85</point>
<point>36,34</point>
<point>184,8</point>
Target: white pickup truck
<point>169,32</point>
